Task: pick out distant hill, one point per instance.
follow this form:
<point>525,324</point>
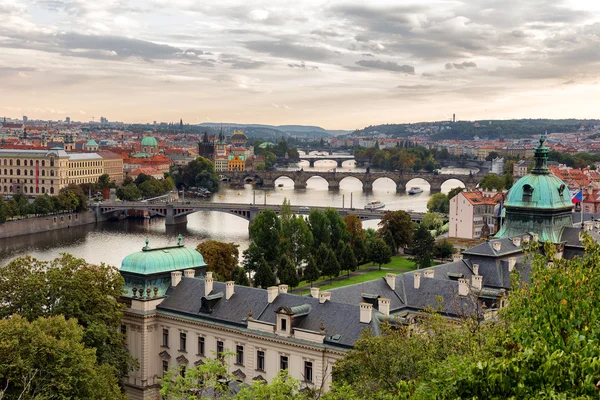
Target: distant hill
<point>483,129</point>
<point>261,130</point>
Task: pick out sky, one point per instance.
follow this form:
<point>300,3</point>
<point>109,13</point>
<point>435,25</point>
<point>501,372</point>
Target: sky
<point>336,64</point>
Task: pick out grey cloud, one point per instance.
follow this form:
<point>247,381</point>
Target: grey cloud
<point>361,38</point>
<point>237,62</point>
<point>463,65</point>
<point>124,47</point>
<point>367,55</point>
<point>302,65</point>
<point>285,49</point>
<point>386,65</point>
<point>413,87</point>
<point>326,33</point>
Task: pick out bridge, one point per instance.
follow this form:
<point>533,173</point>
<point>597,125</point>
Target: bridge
<point>401,179</point>
<point>176,212</point>
<point>339,158</point>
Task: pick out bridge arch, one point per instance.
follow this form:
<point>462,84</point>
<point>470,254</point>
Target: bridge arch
<point>451,183</point>
<point>315,179</point>
<point>420,182</point>
<point>351,181</point>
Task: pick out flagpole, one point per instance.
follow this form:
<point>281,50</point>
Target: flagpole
<point>581,207</point>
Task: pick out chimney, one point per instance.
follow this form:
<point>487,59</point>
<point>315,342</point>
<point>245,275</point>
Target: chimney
<point>525,239</point>
<point>272,292</point>
<point>208,283</point>
<point>365,313</point>
<point>516,241</point>
<point>497,245</point>
<point>581,235</point>
<point>229,289</point>
<point>463,287</point>
<point>511,263</point>
<point>175,278</point>
<point>457,257</point>
<point>189,273</point>
<point>429,273</point>
<point>417,280</point>
<point>314,292</point>
<point>477,281</point>
<point>324,296</point>
<point>383,305</point>
<point>391,280</point>
<point>283,288</point>
<point>476,269</point>
<point>589,225</point>
<point>536,237</point>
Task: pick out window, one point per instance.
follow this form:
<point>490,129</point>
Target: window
<point>182,371</point>
<point>220,349</point>
<point>165,337</point>
<point>527,192</point>
<point>201,345</point>
<point>165,367</point>
<point>283,324</point>
<point>260,360</point>
<point>182,341</point>
<point>283,362</point>
<point>123,329</point>
<point>308,371</point>
<point>239,354</point>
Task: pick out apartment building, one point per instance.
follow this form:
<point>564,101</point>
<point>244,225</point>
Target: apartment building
<point>474,214</point>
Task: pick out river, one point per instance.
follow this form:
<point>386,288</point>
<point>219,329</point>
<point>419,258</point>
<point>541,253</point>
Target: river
<point>110,242</point>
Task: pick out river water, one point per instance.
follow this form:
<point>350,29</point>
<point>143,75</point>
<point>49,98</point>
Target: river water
<point>110,242</point>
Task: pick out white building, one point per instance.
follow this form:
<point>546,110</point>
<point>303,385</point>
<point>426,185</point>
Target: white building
<point>473,214</point>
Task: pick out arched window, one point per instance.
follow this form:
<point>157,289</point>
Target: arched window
<point>527,193</point>
<point>43,173</point>
<point>11,162</point>
<point>43,189</point>
<point>18,172</point>
<point>43,163</point>
<point>51,190</point>
<point>52,161</point>
<point>18,162</point>
<point>51,173</point>
<point>5,172</point>
<point>25,172</point>
<point>25,189</point>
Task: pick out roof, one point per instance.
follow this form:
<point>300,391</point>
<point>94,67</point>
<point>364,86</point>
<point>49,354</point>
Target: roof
<point>160,260</point>
<point>91,143</point>
<point>478,198</point>
<point>149,141</point>
<point>58,152</point>
<point>547,192</point>
<point>84,156</point>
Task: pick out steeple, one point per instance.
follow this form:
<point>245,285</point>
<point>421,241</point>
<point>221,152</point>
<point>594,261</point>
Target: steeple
<point>541,158</point>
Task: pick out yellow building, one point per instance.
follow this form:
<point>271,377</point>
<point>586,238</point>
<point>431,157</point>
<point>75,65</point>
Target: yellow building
<point>236,163</point>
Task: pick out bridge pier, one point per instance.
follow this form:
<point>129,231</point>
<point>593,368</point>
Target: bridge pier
<point>299,184</point>
<point>400,188</point>
<point>171,219</point>
<point>435,187</point>
<point>268,183</point>
<point>367,186</point>
<point>333,185</point>
<point>340,162</point>
<point>311,162</point>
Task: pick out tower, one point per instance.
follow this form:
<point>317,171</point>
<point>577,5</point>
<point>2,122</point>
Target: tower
<point>206,148</point>
<point>453,117</point>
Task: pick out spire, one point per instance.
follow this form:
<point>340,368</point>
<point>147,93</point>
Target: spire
<point>541,158</point>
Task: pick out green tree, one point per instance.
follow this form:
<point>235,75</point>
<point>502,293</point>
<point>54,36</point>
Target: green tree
<point>491,182</point>
<point>264,276</point>
<point>4,211</point>
<point>346,258</point>
<point>69,286</point>
<point>77,195</point>
<point>432,221</point>
<point>422,247</point>
<point>320,226</point>
<point>338,226</point>
<point>360,250</point>
<point>47,358</point>
<point>43,204</point>
<point>240,277</point>
<point>287,272</point>
<point>129,192</point>
<point>296,237</point>
<point>151,188</point>
<point>200,173</point>
<point>454,192</point>
<point>508,180</point>
<point>379,252</point>
<point>104,180</point>
<point>438,203</point>
<point>328,262</point>
<point>222,258</point>
<point>354,229</point>
<point>399,224</point>
<point>311,272</point>
<point>265,233</point>
<point>443,250</point>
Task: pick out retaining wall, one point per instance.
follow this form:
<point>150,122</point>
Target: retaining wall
<point>46,223</point>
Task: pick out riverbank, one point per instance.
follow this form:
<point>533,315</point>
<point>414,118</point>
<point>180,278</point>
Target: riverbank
<point>46,223</point>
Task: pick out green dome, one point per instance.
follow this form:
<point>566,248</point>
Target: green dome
<point>160,260</point>
<point>539,191</point>
<point>91,143</point>
<point>149,141</point>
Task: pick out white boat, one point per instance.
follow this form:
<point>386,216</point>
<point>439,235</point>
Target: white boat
<point>374,205</point>
<point>415,190</point>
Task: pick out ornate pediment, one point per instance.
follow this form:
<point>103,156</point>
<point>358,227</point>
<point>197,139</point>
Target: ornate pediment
<point>238,373</point>
<point>164,355</point>
<point>182,360</point>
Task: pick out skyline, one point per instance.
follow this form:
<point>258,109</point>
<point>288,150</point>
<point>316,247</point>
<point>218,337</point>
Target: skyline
<point>339,65</point>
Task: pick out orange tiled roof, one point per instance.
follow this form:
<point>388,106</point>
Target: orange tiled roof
<point>477,198</point>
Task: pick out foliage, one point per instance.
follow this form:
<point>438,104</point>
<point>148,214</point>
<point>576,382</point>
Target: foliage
<point>354,229</point>
<point>240,277</point>
<point>320,226</point>
<point>453,192</point>
<point>438,203</point>
<point>265,234</point>
<point>296,238</point>
<point>493,181</point>
<point>432,221</point>
<point>422,247</point>
<point>264,276</point>
<point>399,224</point>
<point>379,252</point>
<point>287,272</point>
<point>443,250</point>
<point>311,272</point>
<point>199,173</point>
<point>328,262</point>
<point>282,387</point>
<point>346,257</point>
<point>405,157</point>
<point>43,204</point>
<point>129,192</point>
<point>47,358</point>
<point>104,181</point>
<point>338,226</point>
<point>222,258</point>
<point>69,286</point>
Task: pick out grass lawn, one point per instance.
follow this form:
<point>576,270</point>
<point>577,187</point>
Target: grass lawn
<point>397,265</point>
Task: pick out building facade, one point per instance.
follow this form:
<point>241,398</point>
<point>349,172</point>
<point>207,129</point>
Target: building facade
<point>235,162</point>
<point>474,215</point>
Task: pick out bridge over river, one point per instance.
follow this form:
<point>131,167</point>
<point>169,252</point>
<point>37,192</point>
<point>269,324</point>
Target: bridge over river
<point>175,212</point>
<point>401,179</point>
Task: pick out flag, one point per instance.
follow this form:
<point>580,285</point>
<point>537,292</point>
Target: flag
<point>577,197</point>
<point>499,212</point>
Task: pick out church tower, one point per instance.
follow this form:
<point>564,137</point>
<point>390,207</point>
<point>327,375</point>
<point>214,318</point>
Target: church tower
<point>206,148</point>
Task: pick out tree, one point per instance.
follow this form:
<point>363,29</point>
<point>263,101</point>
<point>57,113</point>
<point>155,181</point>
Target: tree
<point>69,286</point>
<point>399,224</point>
<point>264,276</point>
<point>129,192</point>
<point>328,262</point>
<point>360,250</point>
<point>508,180</point>
<point>4,211</point>
<point>200,173</point>
<point>222,258</point>
<point>491,182</point>
<point>454,192</point>
<point>443,250</point>
<point>265,233</point>
<point>287,273</point>
<point>338,226</point>
<point>320,226</point>
<point>47,358</point>
<point>104,180</point>
<point>240,277</point>
<point>296,237</point>
<point>354,229</point>
<point>311,272</point>
<point>151,187</point>
<point>346,258</point>
<point>43,204</point>
<point>79,198</point>
<point>438,203</point>
<point>432,221</point>
<point>422,247</point>
<point>379,252</point>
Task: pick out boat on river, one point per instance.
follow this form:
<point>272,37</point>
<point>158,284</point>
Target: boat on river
<point>415,190</point>
<point>374,205</point>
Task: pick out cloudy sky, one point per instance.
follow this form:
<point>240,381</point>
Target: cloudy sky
<point>337,64</point>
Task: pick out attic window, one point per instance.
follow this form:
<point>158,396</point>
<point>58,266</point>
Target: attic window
<point>336,337</point>
<point>527,193</point>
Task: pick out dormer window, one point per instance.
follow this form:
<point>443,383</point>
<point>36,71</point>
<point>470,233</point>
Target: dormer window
<point>283,324</point>
<point>527,193</point>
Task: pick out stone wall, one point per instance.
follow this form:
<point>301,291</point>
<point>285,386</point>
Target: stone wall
<point>28,226</point>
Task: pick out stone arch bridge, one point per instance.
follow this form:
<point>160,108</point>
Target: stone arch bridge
<point>401,179</point>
